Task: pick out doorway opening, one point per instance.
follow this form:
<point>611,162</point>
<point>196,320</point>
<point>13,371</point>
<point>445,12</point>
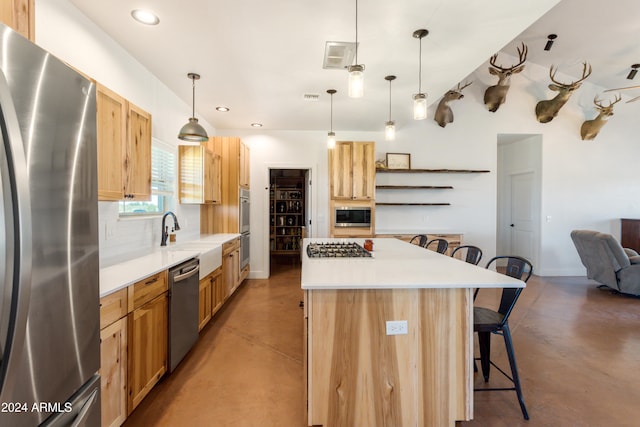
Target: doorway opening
<point>289,215</point>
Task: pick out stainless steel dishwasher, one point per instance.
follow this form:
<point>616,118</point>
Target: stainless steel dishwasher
<point>183,310</point>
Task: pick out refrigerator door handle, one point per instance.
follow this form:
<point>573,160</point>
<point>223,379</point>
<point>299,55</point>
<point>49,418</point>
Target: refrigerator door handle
<point>20,242</point>
<point>77,422</point>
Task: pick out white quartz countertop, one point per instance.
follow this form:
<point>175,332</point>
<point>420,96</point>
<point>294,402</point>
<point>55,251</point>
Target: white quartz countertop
<point>395,265</point>
<point>123,274</point>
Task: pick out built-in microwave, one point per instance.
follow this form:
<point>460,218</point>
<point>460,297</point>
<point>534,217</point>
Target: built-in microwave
<point>351,216</point>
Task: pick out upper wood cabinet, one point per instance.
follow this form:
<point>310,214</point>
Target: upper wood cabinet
<point>19,15</point>
<point>245,169</point>
<point>352,171</point>
<point>199,175</point>
<point>124,148</point>
<point>234,169</point>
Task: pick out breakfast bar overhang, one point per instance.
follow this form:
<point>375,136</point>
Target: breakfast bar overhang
<point>358,375</point>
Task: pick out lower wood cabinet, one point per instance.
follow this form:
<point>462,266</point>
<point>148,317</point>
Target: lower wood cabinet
<point>211,297</point>
<point>231,266</point>
<point>113,373</point>
<point>147,358</point>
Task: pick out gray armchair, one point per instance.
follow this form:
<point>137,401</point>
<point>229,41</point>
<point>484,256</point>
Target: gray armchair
<point>607,262</point>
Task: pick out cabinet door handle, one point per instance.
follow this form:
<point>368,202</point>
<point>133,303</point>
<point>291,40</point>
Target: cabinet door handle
<point>148,282</point>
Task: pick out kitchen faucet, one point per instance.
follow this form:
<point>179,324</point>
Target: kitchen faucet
<point>165,229</point>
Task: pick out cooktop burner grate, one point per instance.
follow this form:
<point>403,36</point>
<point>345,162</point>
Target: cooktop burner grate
<point>337,250</point>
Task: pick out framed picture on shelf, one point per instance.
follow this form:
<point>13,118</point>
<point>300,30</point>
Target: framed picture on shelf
<point>398,161</point>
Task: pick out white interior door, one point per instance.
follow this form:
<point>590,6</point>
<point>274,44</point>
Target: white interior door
<point>522,221</point>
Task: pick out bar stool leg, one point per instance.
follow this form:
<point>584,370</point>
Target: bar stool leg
<point>484,341</point>
<point>514,368</point>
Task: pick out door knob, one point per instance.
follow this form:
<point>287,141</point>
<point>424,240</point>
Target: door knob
<point>512,225</point>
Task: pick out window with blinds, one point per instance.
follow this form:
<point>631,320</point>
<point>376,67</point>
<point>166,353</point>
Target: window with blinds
<point>163,172</point>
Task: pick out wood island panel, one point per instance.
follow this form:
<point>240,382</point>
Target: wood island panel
<point>358,375</point>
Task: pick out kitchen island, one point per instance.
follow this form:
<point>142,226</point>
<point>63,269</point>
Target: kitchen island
<point>357,373</point>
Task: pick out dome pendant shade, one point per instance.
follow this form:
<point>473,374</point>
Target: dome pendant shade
<point>193,131</point>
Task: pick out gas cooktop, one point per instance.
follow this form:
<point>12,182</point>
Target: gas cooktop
<point>337,250</point>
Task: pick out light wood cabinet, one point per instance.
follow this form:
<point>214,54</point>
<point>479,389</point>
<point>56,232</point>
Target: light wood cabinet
<point>224,217</point>
<point>147,358</point>
<point>113,358</point>
<point>204,301</point>
<point>245,166</point>
<point>231,266</point>
<point>124,148</point>
<point>352,171</point>
<point>19,15</point>
<point>113,373</point>
<point>199,175</point>
<point>211,297</point>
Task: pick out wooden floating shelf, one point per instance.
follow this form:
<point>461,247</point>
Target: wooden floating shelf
<point>413,204</point>
<point>413,187</point>
<point>431,171</point>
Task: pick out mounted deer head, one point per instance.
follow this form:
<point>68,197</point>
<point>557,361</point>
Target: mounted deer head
<point>444,114</point>
<point>590,128</point>
<point>547,110</point>
<point>495,96</point>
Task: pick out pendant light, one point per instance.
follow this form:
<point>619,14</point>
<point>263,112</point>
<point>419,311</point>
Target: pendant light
<point>193,131</point>
<point>331,136</point>
<point>390,125</point>
<point>356,77</point>
<point>420,99</point>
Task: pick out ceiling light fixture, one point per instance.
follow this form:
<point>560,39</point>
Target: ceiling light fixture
<point>145,17</point>
<point>356,77</point>
<point>193,131</point>
<point>331,136</point>
<point>550,39</point>
<point>420,99</point>
<point>222,109</point>
<point>256,125</point>
<point>633,72</point>
<point>390,125</point>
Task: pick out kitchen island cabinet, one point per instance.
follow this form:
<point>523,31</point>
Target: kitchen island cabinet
<point>356,372</point>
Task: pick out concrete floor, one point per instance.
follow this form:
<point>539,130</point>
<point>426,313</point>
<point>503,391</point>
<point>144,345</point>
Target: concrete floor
<point>578,351</point>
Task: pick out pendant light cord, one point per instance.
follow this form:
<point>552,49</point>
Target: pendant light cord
<point>193,97</point>
<point>331,117</point>
<point>420,68</point>
<point>390,99</point>
<point>356,32</point>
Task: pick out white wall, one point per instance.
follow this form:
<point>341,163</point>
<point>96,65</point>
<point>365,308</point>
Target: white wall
<point>585,184</point>
<point>68,34</point>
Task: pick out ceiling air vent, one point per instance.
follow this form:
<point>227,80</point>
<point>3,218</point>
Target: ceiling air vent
<point>311,97</point>
<point>338,55</point>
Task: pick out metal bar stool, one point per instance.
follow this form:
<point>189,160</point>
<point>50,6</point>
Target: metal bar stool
<point>473,254</point>
<point>487,322</point>
<point>441,245</point>
<point>420,240</point>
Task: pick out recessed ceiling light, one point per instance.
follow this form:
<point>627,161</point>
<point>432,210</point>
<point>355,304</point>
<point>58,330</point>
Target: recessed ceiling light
<point>222,109</point>
<point>145,17</point>
<point>256,125</point>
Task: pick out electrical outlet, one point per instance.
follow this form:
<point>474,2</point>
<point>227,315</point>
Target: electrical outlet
<point>109,231</point>
<point>397,327</point>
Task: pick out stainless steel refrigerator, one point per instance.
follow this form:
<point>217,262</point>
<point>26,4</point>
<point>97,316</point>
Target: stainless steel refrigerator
<point>49,290</point>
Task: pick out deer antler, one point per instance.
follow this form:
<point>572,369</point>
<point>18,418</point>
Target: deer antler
<point>459,89</point>
<point>522,56</point>
<point>585,74</point>
<point>598,102</point>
